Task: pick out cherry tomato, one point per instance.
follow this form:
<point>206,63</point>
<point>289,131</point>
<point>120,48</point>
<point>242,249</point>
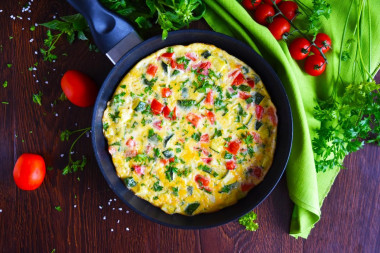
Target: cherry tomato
<point>207,160</point>
<point>250,4</point>
<point>246,187</point>
<point>244,95</point>
<point>166,92</point>
<point>262,13</point>
<point>315,65</point>
<point>205,138</point>
<point>233,147</point>
<point>201,180</point>
<point>167,55</point>
<point>272,115</point>
<point>79,88</point>
<point>193,119</point>
<point>211,117</point>
<point>140,170</point>
<point>230,165</point>
<point>29,171</point>
<point>289,9</point>
<point>259,111</point>
<point>279,27</point>
<point>270,1</point>
<point>191,55</point>
<point>156,107</point>
<point>323,41</point>
<point>299,48</point>
<point>152,69</point>
<point>209,98</point>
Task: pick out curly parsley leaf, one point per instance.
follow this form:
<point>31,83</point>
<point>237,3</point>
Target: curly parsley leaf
<point>248,221</point>
<point>37,98</point>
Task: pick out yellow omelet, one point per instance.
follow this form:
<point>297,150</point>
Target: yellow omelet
<point>191,129</point>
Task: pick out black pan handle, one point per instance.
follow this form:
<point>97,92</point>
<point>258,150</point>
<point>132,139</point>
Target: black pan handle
<point>107,28</point>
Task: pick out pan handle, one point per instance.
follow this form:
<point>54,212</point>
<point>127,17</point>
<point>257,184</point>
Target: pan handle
<point>107,28</point>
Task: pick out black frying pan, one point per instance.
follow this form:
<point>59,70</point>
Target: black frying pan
<point>117,39</point>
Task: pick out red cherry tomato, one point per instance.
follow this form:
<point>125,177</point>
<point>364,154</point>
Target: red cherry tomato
<point>29,171</point>
<point>209,98</point>
<point>246,187</point>
<point>244,95</point>
<point>323,41</point>
<point>166,92</point>
<point>193,119</point>
<point>79,88</point>
<point>262,13</point>
<point>156,107</point>
<point>152,69</point>
<point>230,165</point>
<point>205,138</point>
<point>279,27</point>
<point>211,117</point>
<point>315,65</point>
<point>201,180</point>
<point>250,4</point>
<point>259,111</point>
<point>167,55</point>
<point>270,1</point>
<point>233,147</point>
<point>299,48</point>
<point>289,9</point>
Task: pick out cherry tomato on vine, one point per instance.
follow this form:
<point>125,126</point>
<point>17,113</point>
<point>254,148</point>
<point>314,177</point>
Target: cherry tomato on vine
<point>270,1</point>
<point>262,13</point>
<point>299,48</point>
<point>29,171</point>
<point>323,41</point>
<point>289,9</point>
<point>250,4</point>
<point>79,88</point>
<point>315,65</point>
<point>279,27</point>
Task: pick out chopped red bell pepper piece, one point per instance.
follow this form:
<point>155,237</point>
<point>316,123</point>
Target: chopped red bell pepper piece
<point>156,107</point>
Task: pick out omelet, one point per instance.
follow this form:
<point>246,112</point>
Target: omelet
<point>191,129</point>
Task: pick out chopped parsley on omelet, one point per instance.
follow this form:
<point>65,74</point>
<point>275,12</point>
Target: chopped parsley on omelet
<point>191,129</point>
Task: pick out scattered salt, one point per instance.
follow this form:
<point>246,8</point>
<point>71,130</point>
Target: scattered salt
<point>111,229</point>
<point>120,209</point>
<point>113,208</point>
<point>75,206</point>
<point>127,229</point>
<point>118,221</point>
<point>104,218</point>
<point>100,207</point>
<point>1,210</point>
<point>31,40</point>
<point>46,82</point>
<point>62,155</point>
<point>56,114</point>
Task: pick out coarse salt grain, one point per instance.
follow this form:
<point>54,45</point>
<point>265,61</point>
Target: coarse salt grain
<point>62,155</point>
<point>127,229</point>
<point>35,52</point>
<point>127,211</point>
<point>31,40</point>
<point>111,229</point>
<point>100,207</point>
<point>56,114</point>
<point>46,82</point>
<point>104,218</point>
<point>118,221</point>
<point>75,206</point>
<point>1,210</point>
<point>120,209</point>
<point>113,208</point>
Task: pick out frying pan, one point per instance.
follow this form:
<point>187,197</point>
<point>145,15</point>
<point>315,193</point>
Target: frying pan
<point>118,40</point>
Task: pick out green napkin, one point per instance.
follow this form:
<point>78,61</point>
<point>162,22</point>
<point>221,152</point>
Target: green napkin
<point>307,189</point>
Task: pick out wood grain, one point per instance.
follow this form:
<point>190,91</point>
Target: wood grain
<point>92,218</point>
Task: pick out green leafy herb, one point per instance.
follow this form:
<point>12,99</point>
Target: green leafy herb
<point>74,166</point>
<point>320,9</point>
<point>175,191</point>
<point>5,84</point>
<point>227,188</point>
<point>196,136</point>
<point>169,173</point>
<point>37,98</point>
<point>74,26</point>
<point>115,116</point>
<point>58,208</point>
<point>157,187</point>
<point>130,182</point>
<point>9,65</point>
<point>190,209</point>
<point>248,221</point>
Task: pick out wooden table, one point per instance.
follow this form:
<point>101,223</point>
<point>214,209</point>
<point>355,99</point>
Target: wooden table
<point>92,218</point>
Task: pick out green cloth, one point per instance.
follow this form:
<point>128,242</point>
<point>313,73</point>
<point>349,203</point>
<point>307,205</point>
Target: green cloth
<point>307,189</point>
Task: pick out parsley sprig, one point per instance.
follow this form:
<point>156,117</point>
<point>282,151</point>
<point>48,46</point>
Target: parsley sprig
<point>74,166</point>
<point>248,221</point>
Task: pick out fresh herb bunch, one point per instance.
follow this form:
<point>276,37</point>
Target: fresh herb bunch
<point>74,26</point>
<point>351,116</point>
<point>347,123</point>
<point>169,14</point>
<point>74,166</point>
<point>248,221</point>
<point>314,14</point>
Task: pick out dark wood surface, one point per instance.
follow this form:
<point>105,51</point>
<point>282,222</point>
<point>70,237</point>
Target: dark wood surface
<point>92,218</point>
